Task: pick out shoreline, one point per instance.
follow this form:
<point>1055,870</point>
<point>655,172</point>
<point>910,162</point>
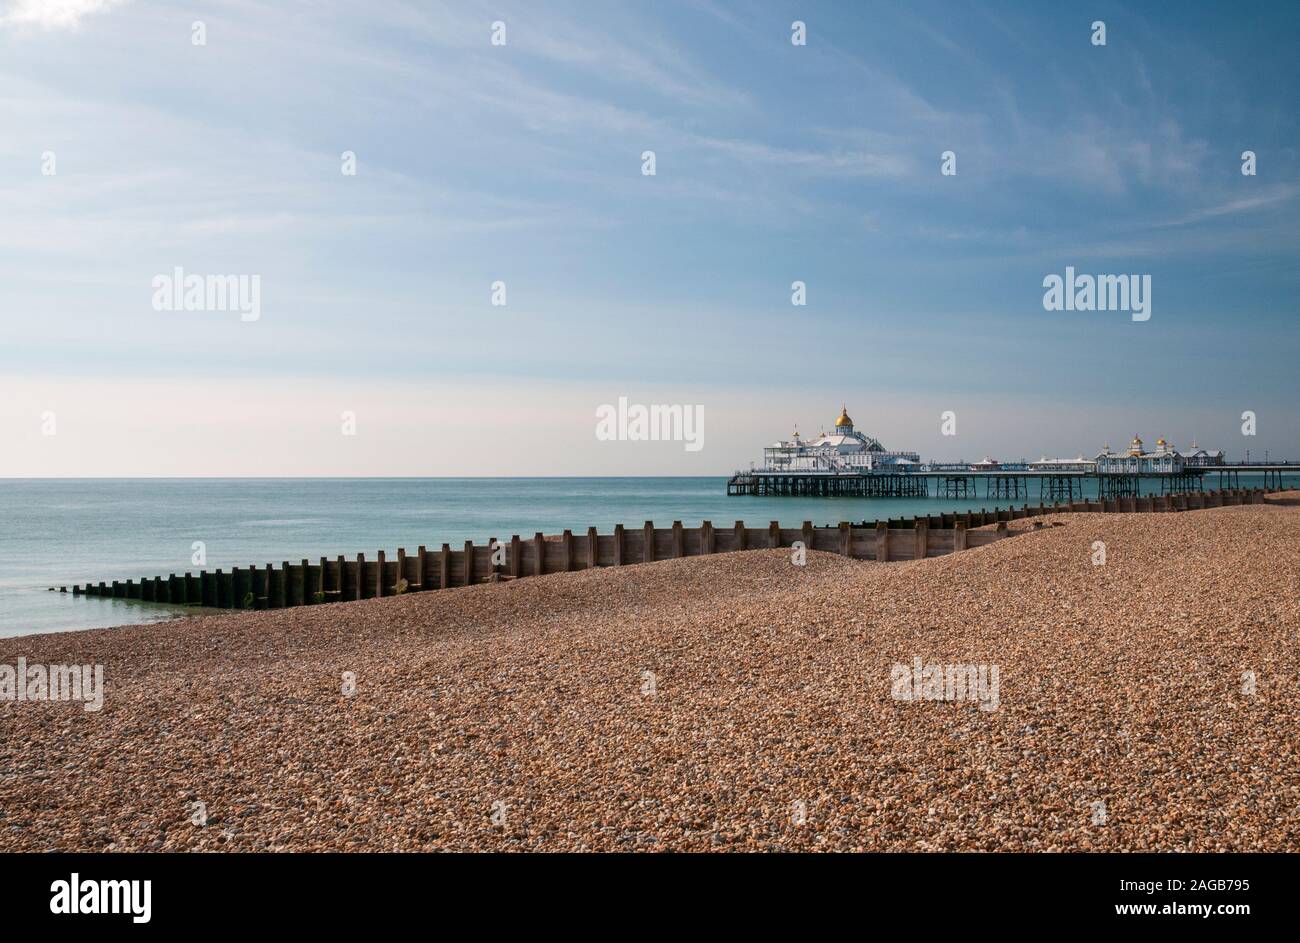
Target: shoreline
<point>1121,683</point>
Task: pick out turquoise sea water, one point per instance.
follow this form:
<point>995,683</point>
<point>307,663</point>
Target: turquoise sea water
<point>60,532</point>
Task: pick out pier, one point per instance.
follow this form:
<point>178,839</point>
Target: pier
<point>1007,482</point>
<point>343,579</point>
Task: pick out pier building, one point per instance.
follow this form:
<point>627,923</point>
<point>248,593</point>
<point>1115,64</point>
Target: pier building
<point>844,450</point>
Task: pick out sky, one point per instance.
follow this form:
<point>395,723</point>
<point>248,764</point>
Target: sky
<point>128,149</point>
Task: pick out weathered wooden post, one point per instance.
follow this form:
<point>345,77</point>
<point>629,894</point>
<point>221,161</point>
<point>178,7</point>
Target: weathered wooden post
<point>539,553</point>
<point>620,544</point>
<point>516,555</point>
<point>379,573</point>
<point>361,576</point>
<point>444,567</point>
<point>401,567</point>
<point>706,537</point>
<point>740,535</point>
<point>679,540</point>
<point>807,535</point>
<point>846,538</point>
<point>774,534</point>
<point>882,541</point>
<point>593,545</point>
<point>566,540</point>
<point>648,548</point>
<point>422,567</point>
<point>922,539</point>
<point>958,536</point>
<point>469,563</point>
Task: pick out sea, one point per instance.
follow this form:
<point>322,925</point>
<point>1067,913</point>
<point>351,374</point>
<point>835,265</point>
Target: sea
<point>57,532</point>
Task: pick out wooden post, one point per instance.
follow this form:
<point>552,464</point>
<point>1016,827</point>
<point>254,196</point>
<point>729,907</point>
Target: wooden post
<point>846,538</point>
<point>444,567</point>
<point>539,553</point>
<point>361,576</point>
<point>619,544</point>
<point>648,551</point>
<point>706,537</point>
<point>401,567</point>
<point>379,577</point>
<point>593,558</point>
<point>679,541</point>
<point>774,534</point>
<point>882,541</point>
<point>516,552</point>
<point>422,567</point>
<point>1001,529</point>
<point>958,536</point>
<point>922,539</point>
<point>567,540</point>
<point>469,563</point>
<point>342,575</point>
<point>807,535</point>
<point>740,535</point>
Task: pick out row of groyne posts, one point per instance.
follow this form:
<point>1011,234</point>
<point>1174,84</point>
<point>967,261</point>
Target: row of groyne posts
<point>342,579</point>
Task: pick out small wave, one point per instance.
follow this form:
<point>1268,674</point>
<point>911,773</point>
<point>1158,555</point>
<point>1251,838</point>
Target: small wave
<point>283,522</point>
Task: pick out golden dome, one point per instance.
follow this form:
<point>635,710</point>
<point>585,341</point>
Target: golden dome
<point>844,419</point>
<point>1161,442</point>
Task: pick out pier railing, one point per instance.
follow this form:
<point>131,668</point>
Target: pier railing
<point>343,579</point>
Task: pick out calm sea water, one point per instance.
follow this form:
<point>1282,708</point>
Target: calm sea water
<point>60,532</point>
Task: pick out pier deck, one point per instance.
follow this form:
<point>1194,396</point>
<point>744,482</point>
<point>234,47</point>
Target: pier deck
<point>1010,481</point>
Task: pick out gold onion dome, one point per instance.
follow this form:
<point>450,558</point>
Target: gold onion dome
<point>844,419</point>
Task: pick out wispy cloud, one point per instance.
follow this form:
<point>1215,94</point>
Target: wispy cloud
<point>52,14</point>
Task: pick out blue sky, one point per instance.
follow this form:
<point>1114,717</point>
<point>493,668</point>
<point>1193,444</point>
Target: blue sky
<point>522,163</point>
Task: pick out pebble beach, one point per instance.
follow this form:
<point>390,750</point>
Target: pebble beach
<point>733,702</point>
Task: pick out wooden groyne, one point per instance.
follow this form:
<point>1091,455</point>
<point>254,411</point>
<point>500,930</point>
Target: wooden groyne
<point>342,579</point>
